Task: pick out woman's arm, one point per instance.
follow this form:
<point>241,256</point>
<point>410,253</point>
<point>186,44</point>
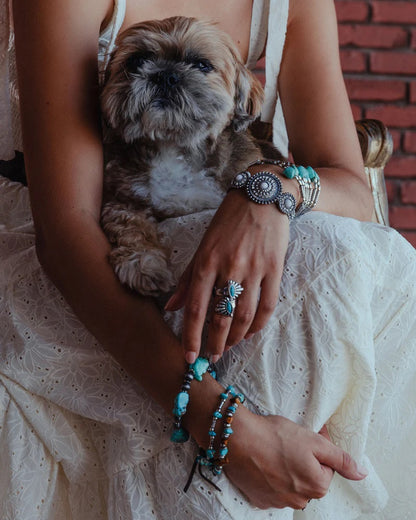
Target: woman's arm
<point>317,111</point>
<point>56,44</point>
<point>248,243</point>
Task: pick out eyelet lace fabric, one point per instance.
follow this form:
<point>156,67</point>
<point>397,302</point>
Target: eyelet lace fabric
<point>79,439</point>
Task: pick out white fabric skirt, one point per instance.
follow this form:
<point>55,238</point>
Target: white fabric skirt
<point>80,440</point>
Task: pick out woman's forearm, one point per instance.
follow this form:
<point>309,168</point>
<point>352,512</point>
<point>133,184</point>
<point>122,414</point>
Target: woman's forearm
<point>129,326</point>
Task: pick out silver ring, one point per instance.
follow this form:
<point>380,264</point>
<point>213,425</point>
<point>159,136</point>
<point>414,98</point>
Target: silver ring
<point>231,290</point>
<point>229,294</point>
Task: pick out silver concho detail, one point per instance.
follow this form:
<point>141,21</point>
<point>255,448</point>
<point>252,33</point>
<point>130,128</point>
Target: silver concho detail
<point>287,204</point>
<point>240,180</point>
<point>264,188</point>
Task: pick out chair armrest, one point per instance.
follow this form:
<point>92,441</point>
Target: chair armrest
<point>377,147</point>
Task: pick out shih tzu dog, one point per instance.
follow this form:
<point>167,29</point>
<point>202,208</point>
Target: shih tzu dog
<point>176,103</point>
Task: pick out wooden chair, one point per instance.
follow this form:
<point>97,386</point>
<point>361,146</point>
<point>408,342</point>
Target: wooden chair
<point>377,147</point>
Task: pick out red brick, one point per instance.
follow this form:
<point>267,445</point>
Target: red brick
<point>408,192</point>
<point>403,217</point>
<point>395,116</point>
<point>375,36</point>
<point>393,62</point>
<point>351,11</point>
<point>413,92</point>
<point>397,137</point>
<point>357,112</point>
<point>410,236</point>
<point>401,167</point>
<point>353,61</point>
<point>394,12</point>
<point>392,190</point>
<point>375,90</point>
<point>409,142</point>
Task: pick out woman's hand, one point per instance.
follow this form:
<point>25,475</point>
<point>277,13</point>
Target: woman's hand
<point>247,243</point>
<point>277,463</point>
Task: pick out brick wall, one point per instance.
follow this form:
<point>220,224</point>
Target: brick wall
<point>378,56</point>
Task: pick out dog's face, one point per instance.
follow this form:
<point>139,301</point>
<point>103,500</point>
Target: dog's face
<point>178,80</point>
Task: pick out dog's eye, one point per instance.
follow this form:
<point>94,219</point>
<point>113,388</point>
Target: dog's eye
<point>135,61</point>
<point>203,65</point>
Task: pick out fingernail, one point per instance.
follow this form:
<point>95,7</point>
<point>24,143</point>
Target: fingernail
<point>362,470</point>
<point>190,357</point>
<point>215,358</point>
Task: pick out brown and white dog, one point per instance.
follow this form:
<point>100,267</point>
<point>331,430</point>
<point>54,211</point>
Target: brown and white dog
<point>177,103</point>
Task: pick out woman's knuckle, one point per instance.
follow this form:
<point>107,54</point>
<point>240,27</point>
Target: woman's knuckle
<point>219,323</point>
<point>320,490</point>
<point>244,317</point>
<point>195,309</point>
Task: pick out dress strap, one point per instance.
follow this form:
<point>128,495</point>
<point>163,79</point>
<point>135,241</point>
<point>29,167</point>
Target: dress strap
<point>109,34</point>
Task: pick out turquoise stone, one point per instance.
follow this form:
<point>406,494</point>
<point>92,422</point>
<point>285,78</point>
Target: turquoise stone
<point>231,290</point>
<point>223,452</point>
<point>179,435</point>
<point>228,431</point>
<point>212,434</point>
<point>290,172</point>
<point>312,173</point>
<point>210,454</point>
<point>181,402</point>
<point>218,415</point>
<point>229,307</point>
<point>223,395</point>
<point>303,172</point>
<point>199,367</point>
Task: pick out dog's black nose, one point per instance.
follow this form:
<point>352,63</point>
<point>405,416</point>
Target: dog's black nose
<point>167,78</point>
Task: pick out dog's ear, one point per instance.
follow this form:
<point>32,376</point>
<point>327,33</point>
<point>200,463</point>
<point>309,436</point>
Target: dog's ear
<point>249,97</point>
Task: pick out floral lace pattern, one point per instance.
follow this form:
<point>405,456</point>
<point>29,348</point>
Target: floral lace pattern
<point>79,439</point>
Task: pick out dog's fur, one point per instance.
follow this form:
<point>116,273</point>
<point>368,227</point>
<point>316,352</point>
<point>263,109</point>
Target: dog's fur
<point>177,103</point>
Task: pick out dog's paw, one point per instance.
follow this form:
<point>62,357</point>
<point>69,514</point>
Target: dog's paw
<point>146,272</point>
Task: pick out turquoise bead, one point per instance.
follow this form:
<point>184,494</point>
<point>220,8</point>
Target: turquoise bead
<point>212,434</point>
<point>228,431</point>
<point>210,454</point>
<point>179,435</point>
<point>312,173</point>
<point>232,408</point>
<point>223,452</point>
<point>303,172</point>
<point>217,414</point>
<point>199,367</point>
<point>290,172</point>
<point>223,395</point>
<point>181,402</point>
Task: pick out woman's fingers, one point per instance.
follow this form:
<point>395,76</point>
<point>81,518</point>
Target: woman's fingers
<point>198,297</point>
<point>178,298</point>
<point>340,461</point>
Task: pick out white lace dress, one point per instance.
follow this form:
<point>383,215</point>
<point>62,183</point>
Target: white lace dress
<point>80,440</point>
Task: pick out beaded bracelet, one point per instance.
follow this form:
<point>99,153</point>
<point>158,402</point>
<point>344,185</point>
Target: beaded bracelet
<point>195,371</point>
<point>210,452</point>
<point>309,184</point>
<point>222,459</point>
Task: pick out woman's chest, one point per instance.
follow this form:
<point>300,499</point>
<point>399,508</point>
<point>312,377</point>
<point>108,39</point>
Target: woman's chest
<point>232,16</point>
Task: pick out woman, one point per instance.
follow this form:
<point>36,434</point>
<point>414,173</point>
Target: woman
<point>73,415</point>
